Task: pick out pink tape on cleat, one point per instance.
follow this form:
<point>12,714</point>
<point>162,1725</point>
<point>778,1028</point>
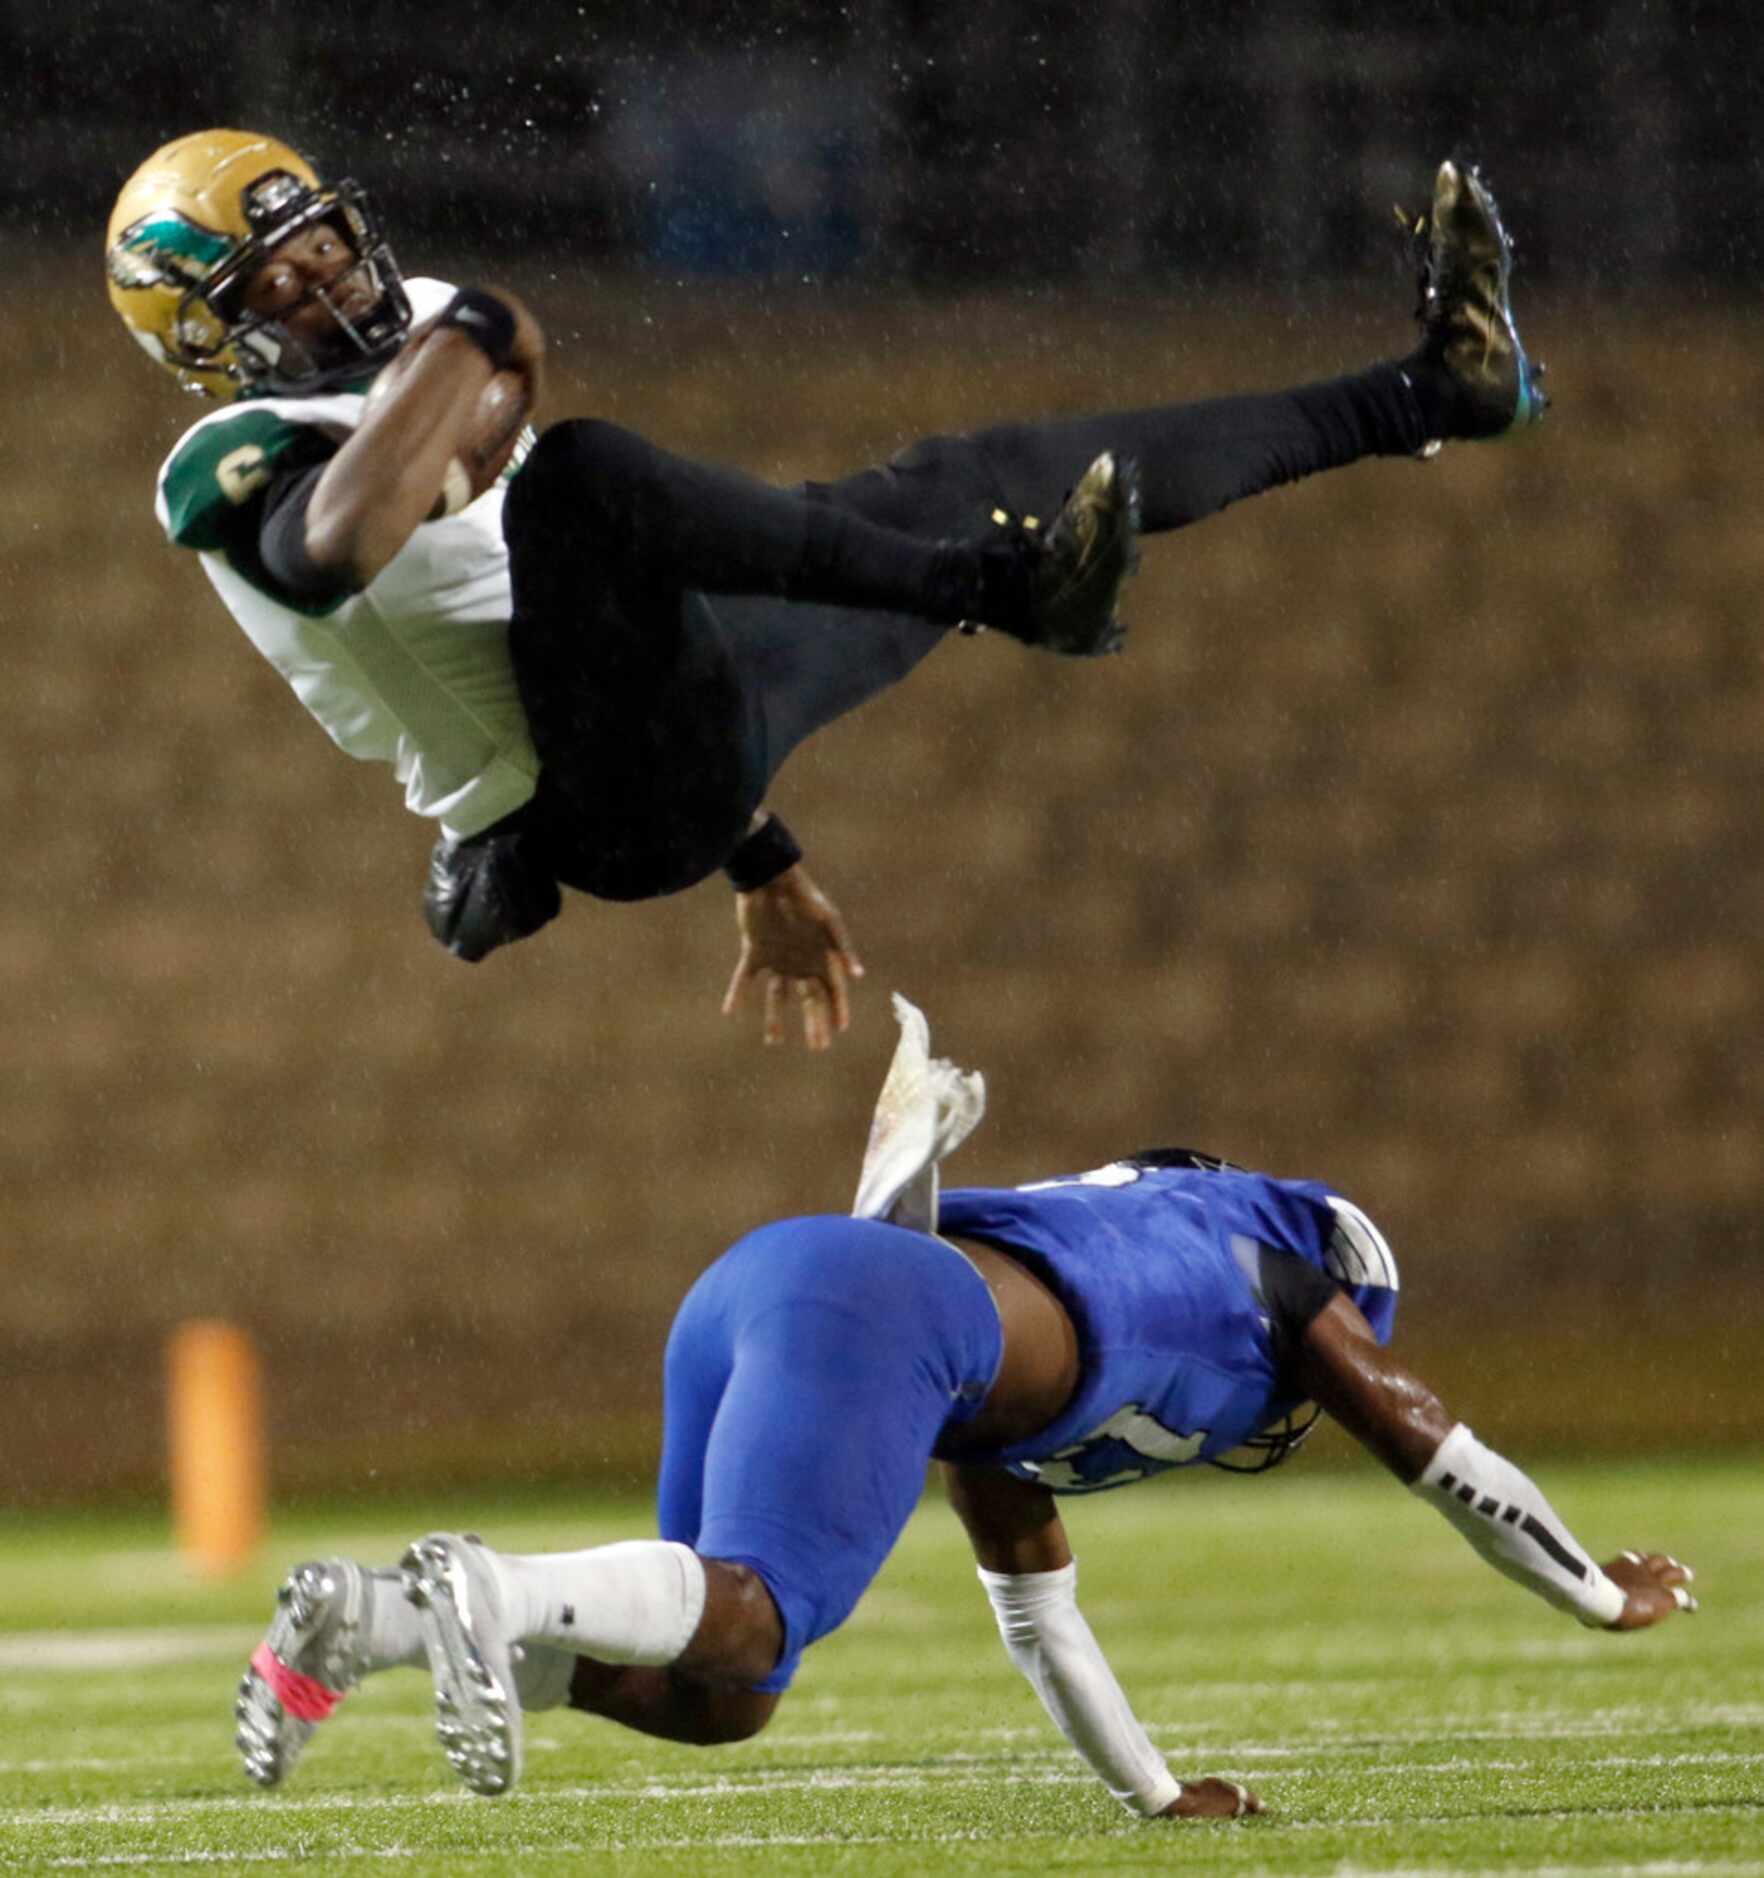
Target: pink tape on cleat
<point>304,1697</point>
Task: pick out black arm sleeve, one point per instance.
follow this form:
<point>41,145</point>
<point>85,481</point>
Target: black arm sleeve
<point>1294,1292</point>
<point>281,542</point>
<point>769,851</point>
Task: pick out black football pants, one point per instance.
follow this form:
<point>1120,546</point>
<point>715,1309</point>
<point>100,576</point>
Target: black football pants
<point>679,629</point>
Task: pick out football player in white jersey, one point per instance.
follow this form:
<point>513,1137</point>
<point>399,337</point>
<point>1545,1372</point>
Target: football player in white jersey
<point>587,667</point>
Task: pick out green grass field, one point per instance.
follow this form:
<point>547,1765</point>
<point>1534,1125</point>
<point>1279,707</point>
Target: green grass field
<point>1401,1708</point>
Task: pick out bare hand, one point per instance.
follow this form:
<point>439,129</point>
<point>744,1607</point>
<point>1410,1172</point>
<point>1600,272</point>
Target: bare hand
<point>526,353</point>
<point>1656,1586</point>
<point>1212,1799</point>
<point>793,938</point>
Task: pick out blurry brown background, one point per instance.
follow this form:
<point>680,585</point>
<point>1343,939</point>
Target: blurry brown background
<point>1414,846</point>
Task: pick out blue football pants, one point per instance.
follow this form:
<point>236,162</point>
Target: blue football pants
<point>810,1373</point>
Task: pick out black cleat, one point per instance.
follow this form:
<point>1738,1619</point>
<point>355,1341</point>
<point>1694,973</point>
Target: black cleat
<point>1074,571</point>
<point>1466,264</point>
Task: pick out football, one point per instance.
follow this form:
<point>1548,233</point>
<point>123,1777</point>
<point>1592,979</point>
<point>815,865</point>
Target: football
<point>491,439</point>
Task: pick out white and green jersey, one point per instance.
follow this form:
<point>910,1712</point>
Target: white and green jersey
<point>413,670</point>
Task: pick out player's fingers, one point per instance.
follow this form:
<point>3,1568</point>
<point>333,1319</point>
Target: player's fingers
<point>1214,1798</point>
<point>1673,1576</point>
<point>1662,1567</point>
<point>814,1013</point>
<point>774,1020</point>
<point>738,981</point>
<point>838,940</point>
<point>837,995</point>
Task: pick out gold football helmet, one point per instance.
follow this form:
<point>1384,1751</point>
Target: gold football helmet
<point>190,228</point>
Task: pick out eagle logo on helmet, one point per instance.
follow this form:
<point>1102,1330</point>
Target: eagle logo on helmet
<point>189,229</point>
<point>162,248</point>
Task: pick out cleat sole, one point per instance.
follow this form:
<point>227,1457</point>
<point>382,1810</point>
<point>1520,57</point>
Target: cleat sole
<point>477,1715</point>
<point>268,1738</point>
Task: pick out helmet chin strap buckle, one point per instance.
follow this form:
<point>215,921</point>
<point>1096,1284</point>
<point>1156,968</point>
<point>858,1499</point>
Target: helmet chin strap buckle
<point>263,345</point>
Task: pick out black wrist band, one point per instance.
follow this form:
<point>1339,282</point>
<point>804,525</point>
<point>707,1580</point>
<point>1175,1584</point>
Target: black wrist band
<point>485,320</point>
<point>769,851</point>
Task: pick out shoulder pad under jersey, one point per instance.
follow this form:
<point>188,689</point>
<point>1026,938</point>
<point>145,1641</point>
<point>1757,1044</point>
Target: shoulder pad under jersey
<point>209,486</point>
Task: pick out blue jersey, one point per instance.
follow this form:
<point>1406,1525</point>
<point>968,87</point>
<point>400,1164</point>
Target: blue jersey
<point>1161,1269</point>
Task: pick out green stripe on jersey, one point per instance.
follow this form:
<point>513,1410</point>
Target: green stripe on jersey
<point>215,479</point>
<point>214,483</point>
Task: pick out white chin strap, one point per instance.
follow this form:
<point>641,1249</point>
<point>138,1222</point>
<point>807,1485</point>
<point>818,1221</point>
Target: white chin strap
<point>926,1110</point>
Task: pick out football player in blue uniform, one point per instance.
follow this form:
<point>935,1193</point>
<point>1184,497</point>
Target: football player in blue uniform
<point>587,670</point>
<point>1070,1336</point>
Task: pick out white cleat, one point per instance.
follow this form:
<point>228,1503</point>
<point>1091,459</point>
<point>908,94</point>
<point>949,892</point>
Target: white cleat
<point>309,1659</point>
<point>477,1710</point>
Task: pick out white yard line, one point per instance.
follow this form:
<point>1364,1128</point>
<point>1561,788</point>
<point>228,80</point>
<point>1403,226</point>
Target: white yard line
<point>282,1855</point>
<point>957,1769</point>
<point>955,1774</point>
<point>82,1651</point>
<point>736,1842</point>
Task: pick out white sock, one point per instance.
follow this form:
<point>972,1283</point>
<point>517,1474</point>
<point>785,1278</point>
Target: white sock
<point>635,1602</point>
<point>542,1676</point>
<point>391,1637</point>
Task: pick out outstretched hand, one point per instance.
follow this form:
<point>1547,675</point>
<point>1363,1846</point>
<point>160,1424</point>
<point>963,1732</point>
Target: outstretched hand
<point>792,937</point>
<point>1655,1587</point>
<point>1212,1799</point>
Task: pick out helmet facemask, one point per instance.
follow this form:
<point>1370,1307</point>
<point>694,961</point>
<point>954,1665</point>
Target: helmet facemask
<point>1269,1446</point>
<point>270,357</point>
